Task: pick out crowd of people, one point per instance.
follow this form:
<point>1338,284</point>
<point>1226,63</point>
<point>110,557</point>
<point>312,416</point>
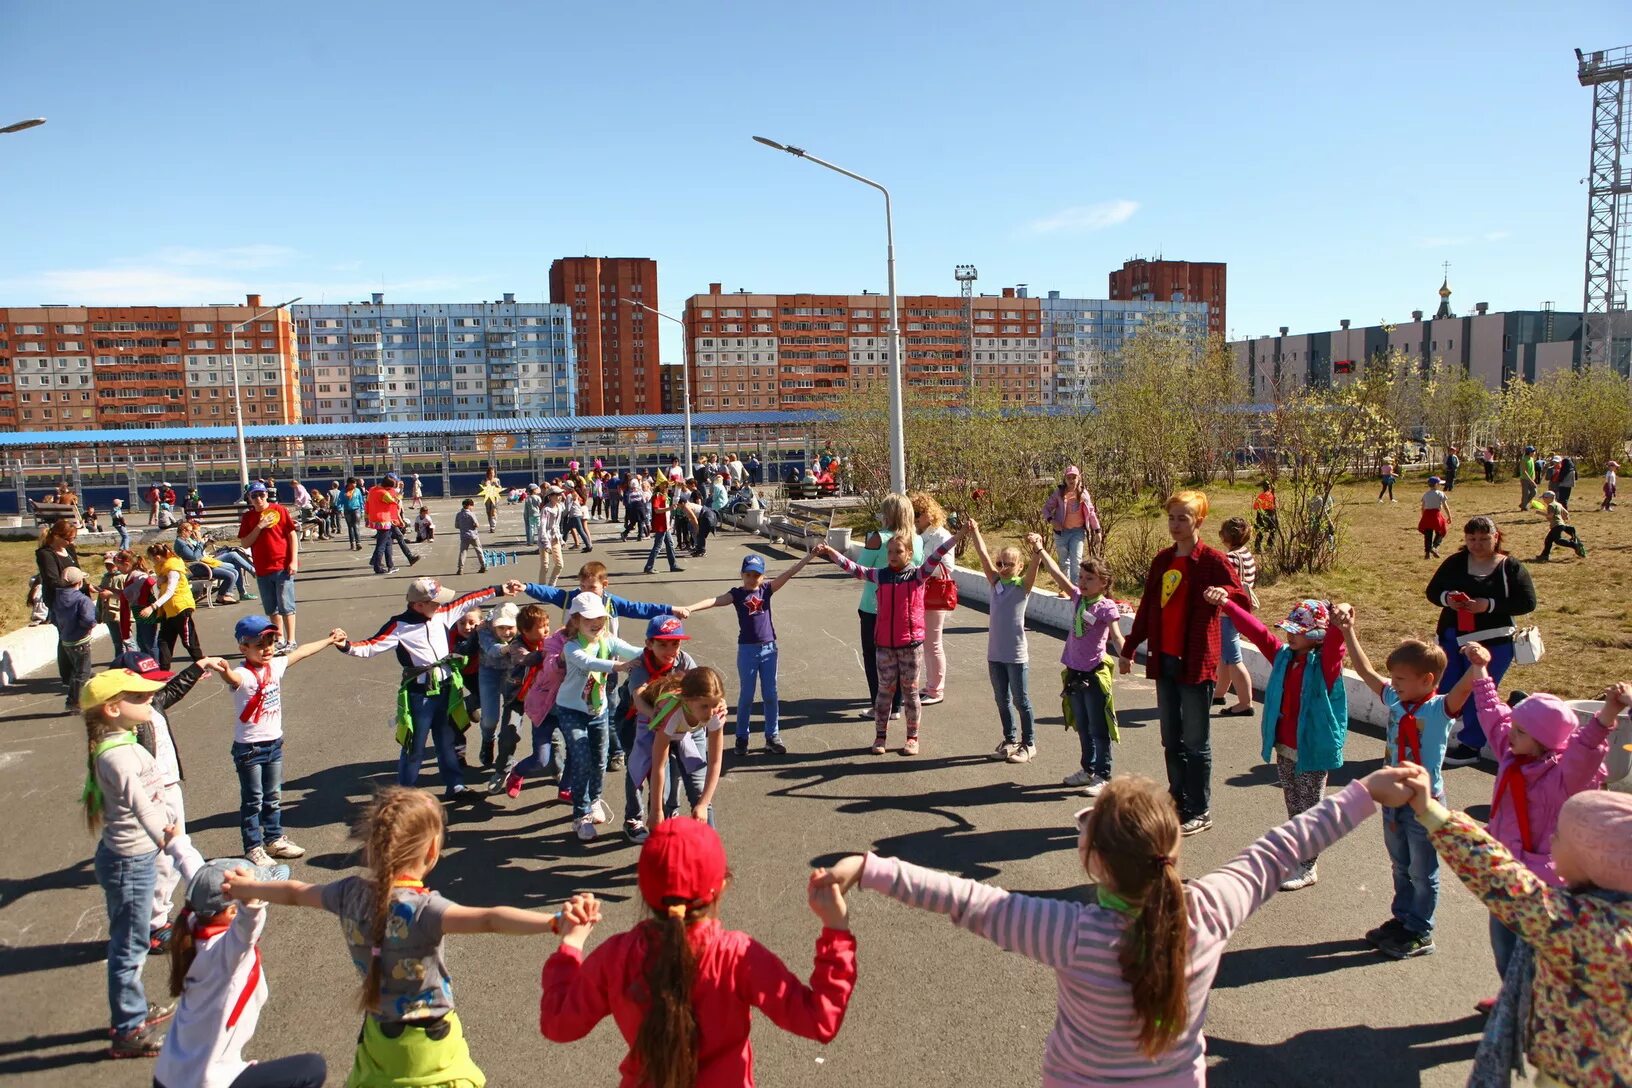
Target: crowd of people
<point>1553,864</point>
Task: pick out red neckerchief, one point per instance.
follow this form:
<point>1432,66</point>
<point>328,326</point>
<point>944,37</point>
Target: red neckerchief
<point>653,669</point>
<point>1409,741</point>
<point>252,709</point>
<point>530,675</point>
<point>251,982</point>
<point>1513,776</point>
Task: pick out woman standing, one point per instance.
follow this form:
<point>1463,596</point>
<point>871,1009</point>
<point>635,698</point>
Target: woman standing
<point>1388,477</point>
<point>1479,590</point>
<point>930,521</point>
<point>1070,512</point>
<point>56,554</point>
<point>894,519</point>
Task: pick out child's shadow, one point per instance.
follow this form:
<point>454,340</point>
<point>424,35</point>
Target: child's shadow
<point>1360,1056</point>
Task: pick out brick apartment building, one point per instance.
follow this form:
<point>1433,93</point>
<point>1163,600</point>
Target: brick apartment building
<point>79,368</point>
<point>753,352</point>
<point>1174,281</point>
<point>616,343</point>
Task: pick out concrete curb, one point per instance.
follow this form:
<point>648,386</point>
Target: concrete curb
<point>31,649</point>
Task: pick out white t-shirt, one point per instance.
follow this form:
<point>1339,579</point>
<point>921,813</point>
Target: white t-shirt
<point>266,717</point>
<point>673,722</point>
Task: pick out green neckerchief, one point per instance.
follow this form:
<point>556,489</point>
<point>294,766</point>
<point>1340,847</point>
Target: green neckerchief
<point>91,794</point>
<point>1083,605</point>
<point>1111,901</point>
<point>1012,581</point>
<point>595,687</point>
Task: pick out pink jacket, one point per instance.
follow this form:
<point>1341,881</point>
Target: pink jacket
<point>1054,510</point>
<point>900,619</point>
<point>1577,767</point>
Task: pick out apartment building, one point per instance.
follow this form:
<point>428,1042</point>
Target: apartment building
<point>615,339</point>
<point>103,367</point>
<point>1141,280</point>
<point>1085,336</point>
<point>379,361</point>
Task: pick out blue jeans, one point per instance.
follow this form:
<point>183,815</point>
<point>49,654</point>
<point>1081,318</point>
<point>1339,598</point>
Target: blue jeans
<point>543,755</point>
<point>245,568</point>
<point>146,638</point>
<point>382,560</point>
<point>124,537</point>
<point>1068,545</point>
<point>687,766</point>
<point>127,886</point>
<point>1416,869</point>
<point>586,755</point>
<point>1088,707</point>
<point>1009,684</point>
<point>664,540</point>
<point>260,788</point>
<point>430,717</point>
<point>1501,658</point>
<point>757,661</point>
<point>1185,711</point>
<point>490,688</point>
<point>1503,942</point>
<point>230,579</point>
<point>1229,642</point>
<point>352,517</point>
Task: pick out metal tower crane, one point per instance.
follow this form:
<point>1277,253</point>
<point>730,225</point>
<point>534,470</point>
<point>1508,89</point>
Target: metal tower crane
<point>1607,336</point>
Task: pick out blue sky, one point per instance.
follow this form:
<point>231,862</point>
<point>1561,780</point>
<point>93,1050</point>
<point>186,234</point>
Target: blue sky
<point>1333,155</point>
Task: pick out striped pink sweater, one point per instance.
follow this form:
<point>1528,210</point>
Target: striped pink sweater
<point>1093,1043</point>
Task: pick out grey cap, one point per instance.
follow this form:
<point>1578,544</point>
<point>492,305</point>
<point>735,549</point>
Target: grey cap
<point>204,895</point>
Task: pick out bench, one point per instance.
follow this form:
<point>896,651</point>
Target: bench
<point>47,512</point>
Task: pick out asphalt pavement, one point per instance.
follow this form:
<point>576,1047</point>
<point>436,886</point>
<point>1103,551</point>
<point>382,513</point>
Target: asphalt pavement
<point>1300,999</point>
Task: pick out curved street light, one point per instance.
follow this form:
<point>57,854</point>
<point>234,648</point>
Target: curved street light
<point>18,126</point>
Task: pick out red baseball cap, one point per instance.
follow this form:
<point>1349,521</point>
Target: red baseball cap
<point>683,862</point>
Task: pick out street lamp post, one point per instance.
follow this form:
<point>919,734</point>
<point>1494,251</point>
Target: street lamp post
<point>237,402</point>
<point>685,371</point>
<point>898,446</point>
<point>18,126</point>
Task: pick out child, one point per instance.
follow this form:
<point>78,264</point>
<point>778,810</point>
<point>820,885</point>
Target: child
<point>592,579</point>
<point>493,639</point>
<point>583,706</point>
<point>116,517</point>
<point>1231,672</point>
<point>431,698</point>
<point>1558,528</point>
<point>469,541</point>
<point>549,537</point>
<point>1266,520</point>
<point>137,623</point>
<point>1435,521</point>
<point>1543,757</point>
<point>677,707</point>
<point>257,734</point>
<point>424,527</point>
<point>1306,710</point>
<point>124,799</point>
<point>1611,485</point>
<point>680,986</point>
<point>1388,478</point>
<point>1134,968</point>
<point>1573,974</point>
<point>217,971</point>
<point>661,657</point>
<point>394,928</point>
<point>898,631</point>
<point>73,614</point>
<point>662,532</point>
<point>1182,629</point>
<point>1419,729</point>
<point>1088,674</point>
<point>537,668</point>
<point>173,604</point>
<point>756,646</point>
<point>1007,655</point>
<point>107,602</point>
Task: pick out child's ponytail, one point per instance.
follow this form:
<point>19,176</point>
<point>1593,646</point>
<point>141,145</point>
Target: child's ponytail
<point>1133,832</point>
<point>666,1043</point>
<point>97,730</point>
<point>183,950</point>
<point>397,830</point>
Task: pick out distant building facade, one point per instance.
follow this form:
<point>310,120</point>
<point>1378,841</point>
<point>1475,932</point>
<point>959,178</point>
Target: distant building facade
<point>1175,281</point>
<point>615,341</point>
<point>1084,337</point>
<point>379,361</point>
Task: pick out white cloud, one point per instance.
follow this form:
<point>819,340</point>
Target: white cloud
<point>237,257</point>
<point>1084,217</point>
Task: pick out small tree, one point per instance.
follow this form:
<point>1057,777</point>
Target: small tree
<point>1316,433</point>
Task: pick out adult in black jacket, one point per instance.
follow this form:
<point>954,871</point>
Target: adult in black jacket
<point>1479,590</point>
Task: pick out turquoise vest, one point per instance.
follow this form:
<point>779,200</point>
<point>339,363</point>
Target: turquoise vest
<point>1323,714</point>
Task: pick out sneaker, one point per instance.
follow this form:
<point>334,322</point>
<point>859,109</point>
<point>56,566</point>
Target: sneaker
<point>1304,877</point>
<point>564,796</point>
<point>249,597</point>
<point>586,828</point>
<point>286,647</point>
<point>742,747</point>
<point>1488,754</point>
<point>878,747</point>
<point>281,847</point>
<point>636,831</point>
<point>462,794</point>
<point>910,748</point>
<point>616,763</point>
<point>775,746</point>
<point>599,812</point>
<point>227,599</point>
<point>1003,749</point>
<point>257,856</point>
<point>930,700</point>
<point>513,783</point>
<point>1387,931</point>
<point>1460,755</point>
<point>1581,550</point>
<point>1406,945</point>
<point>158,1014</point>
<point>158,940</point>
<point>1195,825</point>
<point>895,715</point>
<point>1022,753</point>
<point>646,570</point>
<point>487,753</point>
<point>143,1042</point>
<point>1079,778</point>
<point>412,559</point>
<point>1094,788</point>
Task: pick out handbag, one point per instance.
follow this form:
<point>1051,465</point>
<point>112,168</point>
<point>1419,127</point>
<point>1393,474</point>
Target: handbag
<point>940,594</point>
<point>1527,646</point>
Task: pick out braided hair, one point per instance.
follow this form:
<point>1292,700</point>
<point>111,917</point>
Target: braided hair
<point>397,828</point>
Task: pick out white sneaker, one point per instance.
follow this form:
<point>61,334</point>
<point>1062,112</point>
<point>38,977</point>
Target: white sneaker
<point>930,700</point>
<point>1002,750</point>
<point>1304,877</point>
<point>1022,753</point>
<point>281,847</point>
<point>258,857</point>
<point>599,812</point>
<point>586,828</point>
<point>1079,778</point>
<point>1094,788</point>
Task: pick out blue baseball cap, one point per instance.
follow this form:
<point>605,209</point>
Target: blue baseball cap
<point>666,627</point>
<point>251,628</point>
<point>755,563</point>
<point>256,488</point>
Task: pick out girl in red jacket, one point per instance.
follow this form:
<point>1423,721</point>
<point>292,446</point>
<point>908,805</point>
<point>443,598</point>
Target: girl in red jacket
<point>703,979</point>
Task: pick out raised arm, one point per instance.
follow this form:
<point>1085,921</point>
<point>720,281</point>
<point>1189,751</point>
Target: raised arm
<point>386,638</point>
<point>1054,571</point>
<point>513,920</point>
<point>1457,697</point>
<point>981,552</point>
<point>311,649</point>
<point>460,605</point>
<point>932,561</point>
<point>636,610</point>
<point>284,893</point>
<point>709,602</point>
<point>1343,620</point>
<point>782,579</point>
<point>1248,625</point>
<point>1031,566</point>
<point>845,563</point>
<point>814,1011</point>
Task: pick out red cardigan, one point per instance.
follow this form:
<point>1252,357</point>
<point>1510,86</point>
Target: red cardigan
<point>1208,567</point>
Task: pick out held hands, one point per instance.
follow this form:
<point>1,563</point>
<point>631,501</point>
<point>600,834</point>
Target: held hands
<point>578,916</point>
<point>1343,618</point>
<point>824,551</point>
<point>680,612</point>
<point>1215,595</point>
<point>214,664</point>
<point>826,898</point>
<point>1615,698</point>
<point>514,587</point>
<point>338,636</point>
<point>1124,665</point>
<point>1478,657</point>
<point>1389,785</point>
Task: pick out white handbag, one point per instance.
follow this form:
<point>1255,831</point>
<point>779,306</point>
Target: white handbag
<point>1527,646</point>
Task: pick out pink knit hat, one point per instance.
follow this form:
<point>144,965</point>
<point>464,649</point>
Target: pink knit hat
<point>1547,718</point>
<point>1594,838</point>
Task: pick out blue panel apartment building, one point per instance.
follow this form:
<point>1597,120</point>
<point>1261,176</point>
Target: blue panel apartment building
<point>380,362</point>
<point>1085,336</point>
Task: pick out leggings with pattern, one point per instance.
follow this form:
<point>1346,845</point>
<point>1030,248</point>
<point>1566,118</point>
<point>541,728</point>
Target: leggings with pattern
<point>898,669</point>
<point>1303,789</point>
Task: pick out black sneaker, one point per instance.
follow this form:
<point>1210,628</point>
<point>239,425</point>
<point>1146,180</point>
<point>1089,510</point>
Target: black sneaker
<point>412,559</point>
<point>1195,825</point>
<point>1460,755</point>
<point>1406,945</point>
<point>1389,930</point>
<point>775,746</point>
<point>143,1042</point>
<point>487,753</point>
<point>742,746</point>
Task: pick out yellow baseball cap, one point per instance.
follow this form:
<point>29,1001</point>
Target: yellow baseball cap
<point>107,686</point>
